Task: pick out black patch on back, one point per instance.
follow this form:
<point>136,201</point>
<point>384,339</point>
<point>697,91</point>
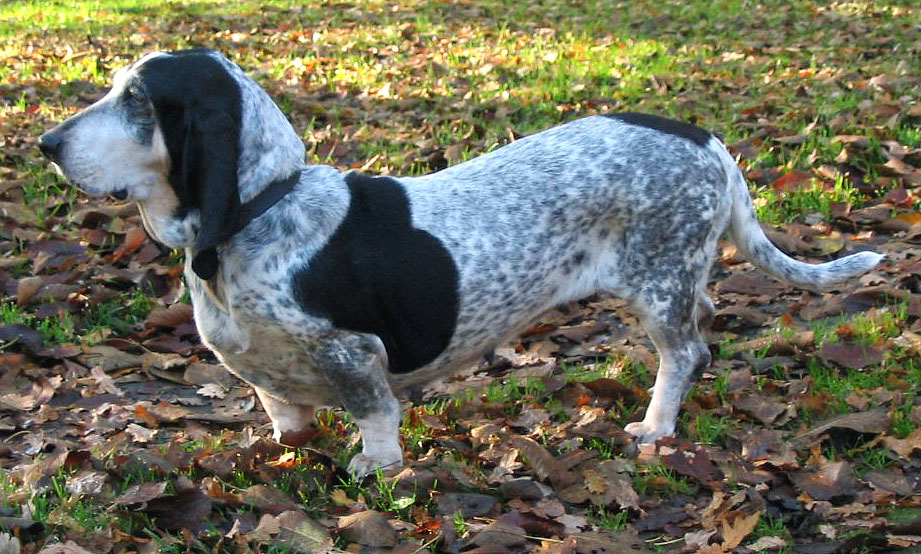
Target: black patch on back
<point>378,274</point>
<point>681,129</point>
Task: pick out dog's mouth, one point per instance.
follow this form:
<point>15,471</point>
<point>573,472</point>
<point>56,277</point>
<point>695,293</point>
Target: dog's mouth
<point>120,194</point>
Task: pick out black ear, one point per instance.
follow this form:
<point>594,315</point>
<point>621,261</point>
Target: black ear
<point>198,106</point>
<point>210,178</point>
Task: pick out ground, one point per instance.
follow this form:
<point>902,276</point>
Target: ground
<point>120,433</point>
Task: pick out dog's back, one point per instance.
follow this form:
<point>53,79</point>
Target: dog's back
<point>596,204</point>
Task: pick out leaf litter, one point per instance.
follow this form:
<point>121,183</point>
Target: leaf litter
<point>109,405</point>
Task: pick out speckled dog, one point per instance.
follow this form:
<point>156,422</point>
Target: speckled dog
<point>319,287</point>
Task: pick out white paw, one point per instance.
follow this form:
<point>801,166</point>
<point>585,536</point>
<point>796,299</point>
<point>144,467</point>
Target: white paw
<point>362,465</point>
<point>646,433</point>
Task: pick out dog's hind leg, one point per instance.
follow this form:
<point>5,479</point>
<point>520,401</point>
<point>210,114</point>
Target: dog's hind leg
<point>670,318</point>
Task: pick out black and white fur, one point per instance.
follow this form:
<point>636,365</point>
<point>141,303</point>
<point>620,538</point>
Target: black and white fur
<point>351,287</point>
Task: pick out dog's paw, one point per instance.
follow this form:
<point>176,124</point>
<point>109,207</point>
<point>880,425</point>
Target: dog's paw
<point>362,465</point>
<point>646,433</point>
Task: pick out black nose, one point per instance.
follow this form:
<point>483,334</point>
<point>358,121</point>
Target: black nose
<point>50,145</point>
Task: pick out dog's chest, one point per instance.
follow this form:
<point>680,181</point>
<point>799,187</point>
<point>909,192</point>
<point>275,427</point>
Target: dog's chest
<point>258,349</point>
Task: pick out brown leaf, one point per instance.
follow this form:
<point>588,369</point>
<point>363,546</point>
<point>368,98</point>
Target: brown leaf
<point>142,492</point>
<point>455,152</point>
<point>134,238</point>
<point>502,534</point>
<point>542,462</point>
<point>852,355</point>
<point>753,283</point>
<point>368,528</point>
<point>268,527</point>
<point>469,504</point>
<point>890,479</point>
<point>791,139</point>
<point>27,288</point>
<point>610,543</point>
<point>856,140</point>
<point>188,509</point>
<point>603,483</point>
<point>873,421</point>
<point>751,316</point>
<point>898,168</point>
<point>735,531</point>
<point>690,460</point>
<point>611,388</point>
<point>904,447</point>
<point>760,406</point>
<point>221,463</point>
<point>794,180</point>
<point>70,547</point>
<point>268,499</point>
<point>172,316</point>
<point>87,483</point>
<point>833,480</point>
<point>21,334</point>
<point>533,524</point>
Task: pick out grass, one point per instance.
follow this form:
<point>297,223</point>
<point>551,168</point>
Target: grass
<point>815,199</point>
<point>111,318</point>
<point>397,83</point>
<point>656,479</point>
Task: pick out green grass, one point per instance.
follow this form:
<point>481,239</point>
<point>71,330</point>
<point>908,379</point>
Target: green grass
<point>395,82</point>
<point>815,199</point>
<point>656,479</point>
<point>611,521</point>
<point>113,317</point>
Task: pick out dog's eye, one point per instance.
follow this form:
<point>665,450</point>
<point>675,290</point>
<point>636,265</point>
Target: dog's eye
<point>137,95</point>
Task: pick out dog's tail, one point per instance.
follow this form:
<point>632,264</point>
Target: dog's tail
<point>749,238</point>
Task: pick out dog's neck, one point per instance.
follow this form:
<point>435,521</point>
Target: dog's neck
<point>163,221</point>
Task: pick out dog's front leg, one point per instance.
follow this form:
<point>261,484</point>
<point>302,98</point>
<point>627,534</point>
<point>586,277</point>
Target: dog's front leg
<point>355,366</point>
<point>287,418</point>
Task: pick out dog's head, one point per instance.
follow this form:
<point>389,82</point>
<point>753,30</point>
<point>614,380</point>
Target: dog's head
<point>188,136</point>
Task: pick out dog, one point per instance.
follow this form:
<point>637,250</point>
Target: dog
<point>319,287</point>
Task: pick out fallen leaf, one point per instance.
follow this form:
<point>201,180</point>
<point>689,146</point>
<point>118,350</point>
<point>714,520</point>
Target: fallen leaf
<point>140,493</point>
<point>301,533</point>
<point>187,509</point>
<point>890,479</point>
<point>872,421</point>
<point>834,480</point>
<point>760,406</point>
<point>735,531</point>
<point>793,180</point>
<point>70,547</point>
<point>27,288</point>
<point>134,238</point>
<point>852,355</point>
<point>104,381</point>
<point>544,465</point>
<point>904,447</point>
<point>501,534</point>
<point>172,316</point>
<point>368,528</point>
<point>468,504</point>
<point>268,499</point>
<point>690,460</point>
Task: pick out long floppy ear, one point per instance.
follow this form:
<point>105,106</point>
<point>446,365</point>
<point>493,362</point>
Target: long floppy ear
<point>210,176</point>
<point>198,107</point>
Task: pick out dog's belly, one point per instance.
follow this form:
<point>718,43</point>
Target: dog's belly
<point>492,315</point>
